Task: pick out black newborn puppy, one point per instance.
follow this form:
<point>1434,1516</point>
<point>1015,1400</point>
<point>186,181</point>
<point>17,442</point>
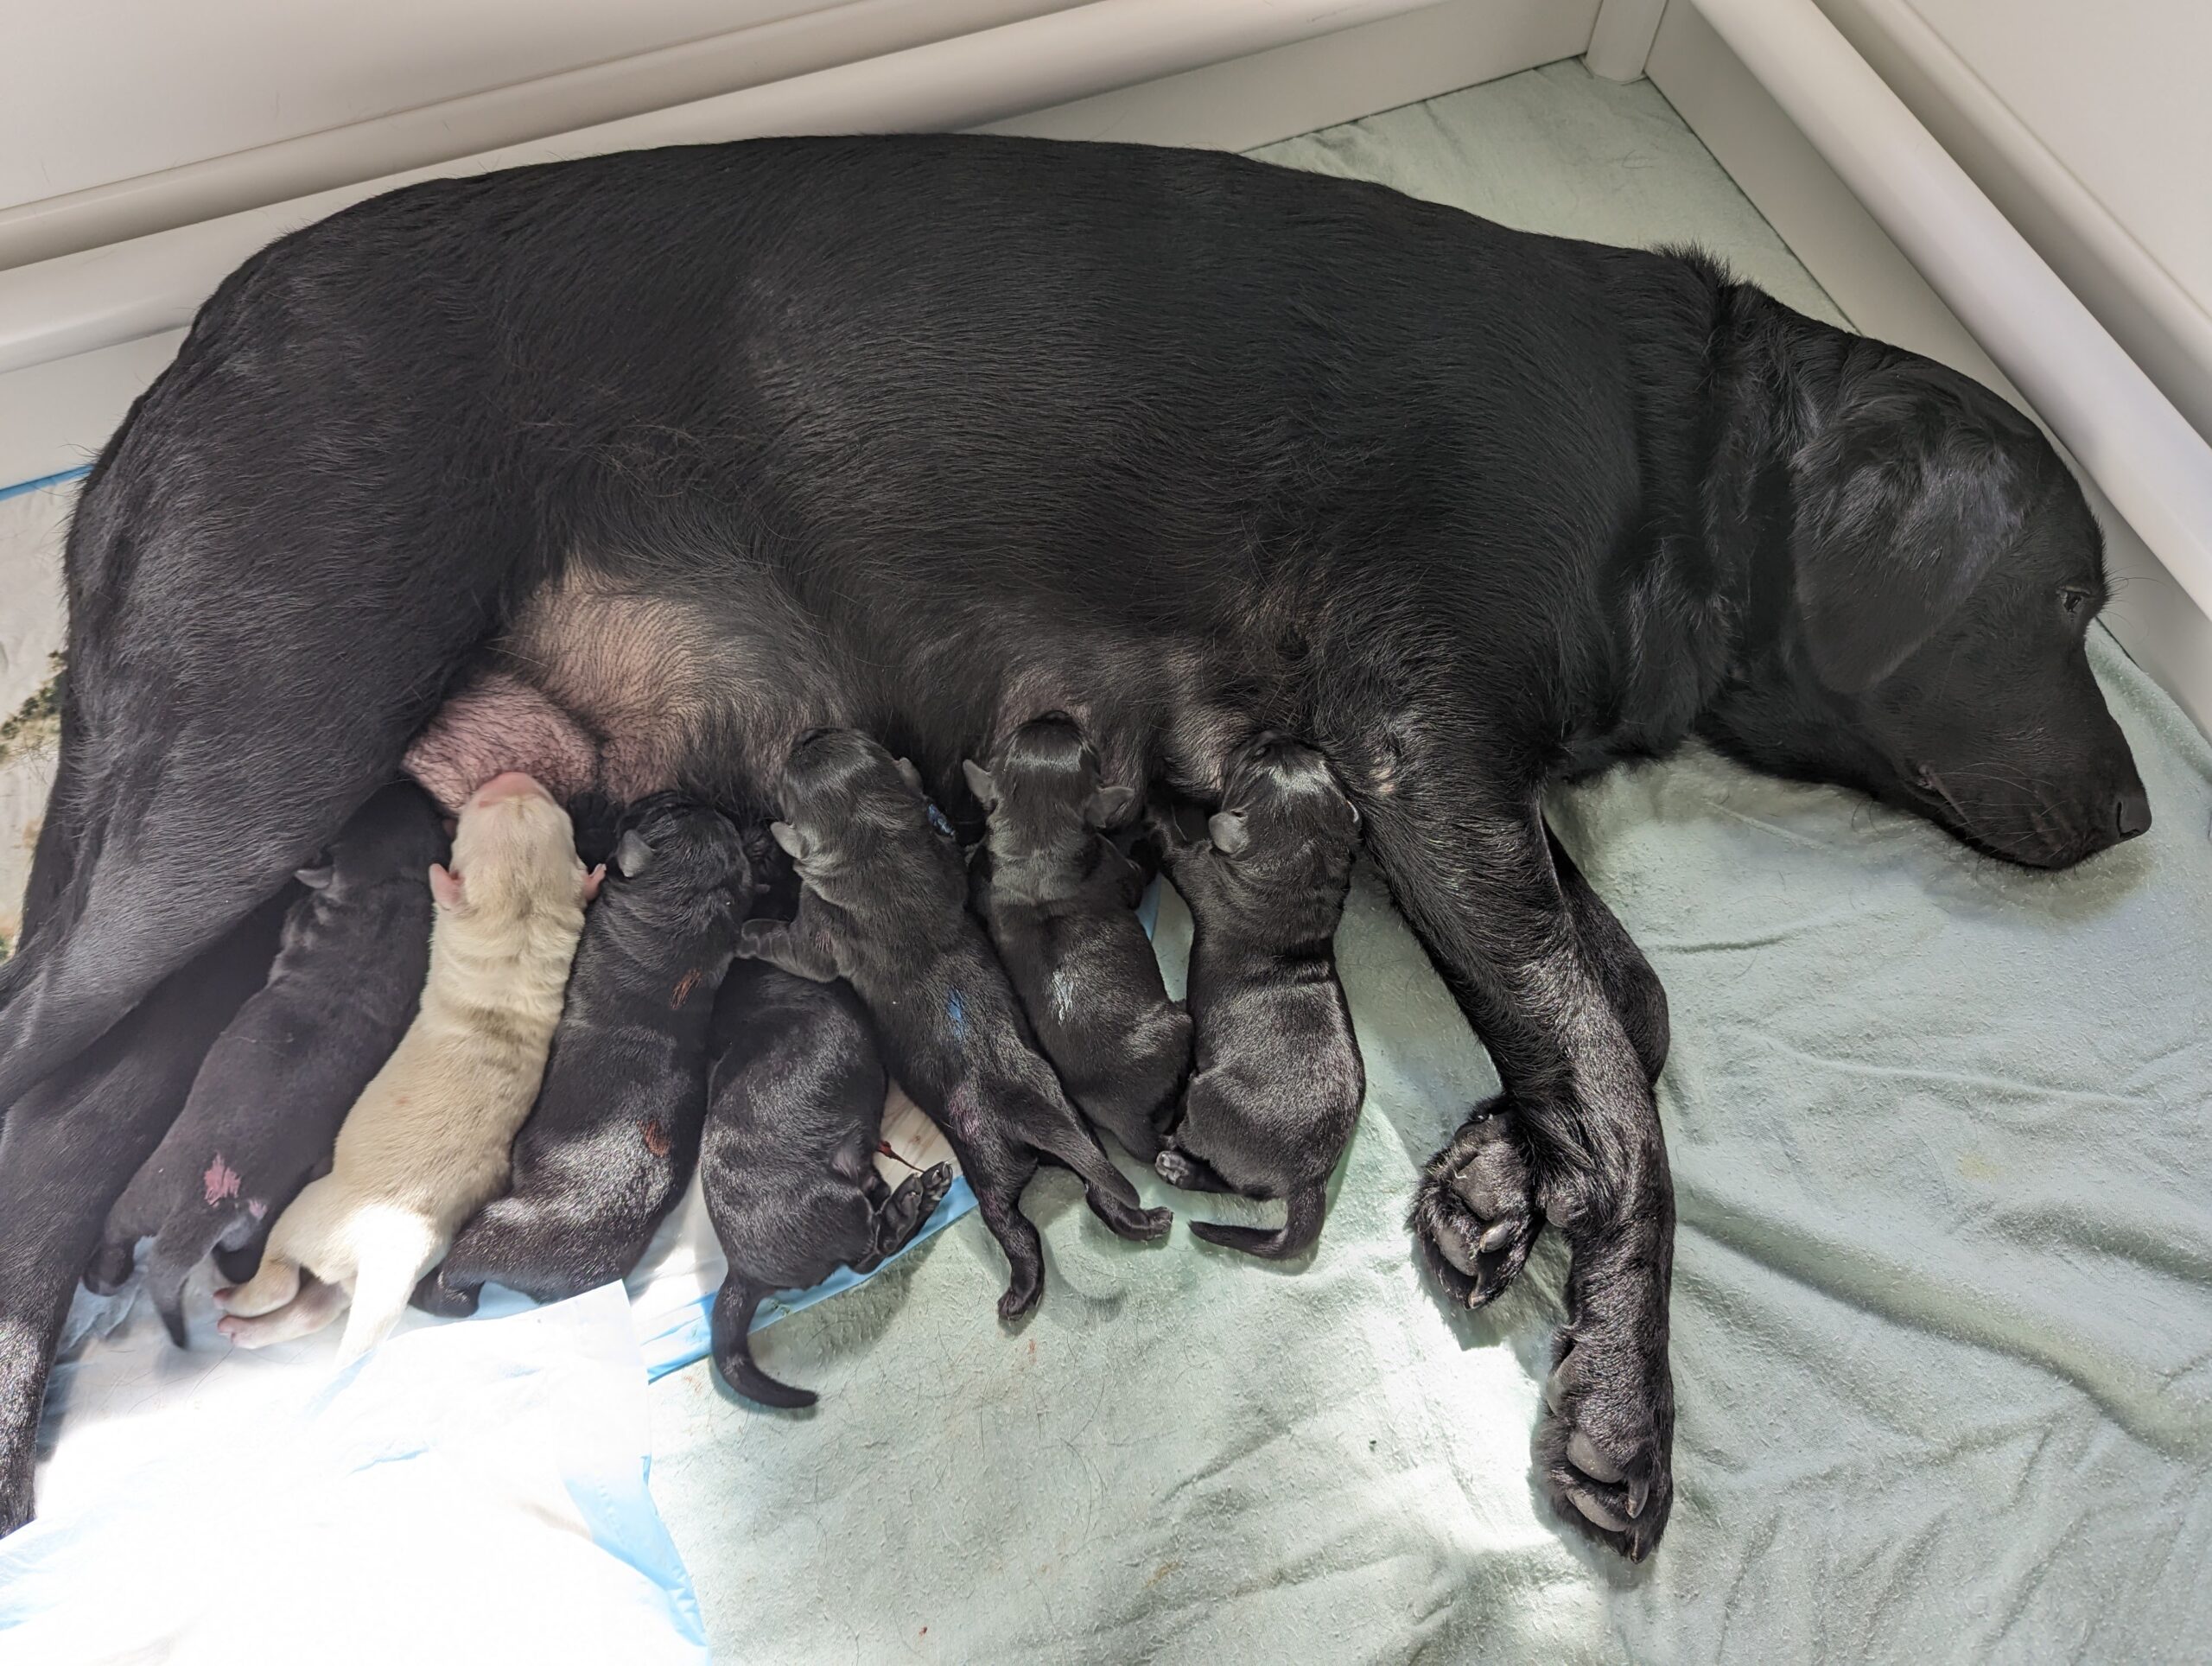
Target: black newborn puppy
<point>265,1109</point>
<point>1059,897</point>
<point>787,1165</point>
<point>884,904</point>
<point>610,1144</point>
<point>1275,1093</point>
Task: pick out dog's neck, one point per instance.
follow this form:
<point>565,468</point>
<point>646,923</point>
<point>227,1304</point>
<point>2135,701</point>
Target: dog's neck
<point>1773,374</point>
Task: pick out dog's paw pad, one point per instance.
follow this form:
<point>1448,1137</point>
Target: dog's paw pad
<point>1475,1212</point>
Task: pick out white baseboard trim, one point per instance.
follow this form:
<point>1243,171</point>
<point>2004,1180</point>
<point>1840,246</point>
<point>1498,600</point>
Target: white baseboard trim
<point>83,355</point>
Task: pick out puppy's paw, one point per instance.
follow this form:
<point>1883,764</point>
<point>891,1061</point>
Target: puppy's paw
<point>111,1268</point>
<point>1605,1445</point>
<point>1475,1212</point>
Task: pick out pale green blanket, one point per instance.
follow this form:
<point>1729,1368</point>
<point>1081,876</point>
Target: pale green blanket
<point>1943,1285</point>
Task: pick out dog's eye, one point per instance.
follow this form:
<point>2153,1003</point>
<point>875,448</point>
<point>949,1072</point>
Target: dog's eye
<point>2073,600</point>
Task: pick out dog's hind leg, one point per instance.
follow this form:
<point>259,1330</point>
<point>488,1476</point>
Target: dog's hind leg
<point>239,680</point>
<point>67,1150</point>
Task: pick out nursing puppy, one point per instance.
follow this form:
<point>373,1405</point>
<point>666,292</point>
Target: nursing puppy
<point>428,1141</point>
<point>609,1148</point>
<point>267,1104</point>
<point>788,1160</point>
<point>884,904</point>
<point>1058,898</point>
<point>1276,1090</point>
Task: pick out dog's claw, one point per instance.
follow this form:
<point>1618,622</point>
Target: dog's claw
<point>1499,1235</point>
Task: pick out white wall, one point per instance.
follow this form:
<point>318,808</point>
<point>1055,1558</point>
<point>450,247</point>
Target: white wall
<point>2088,123</point>
<point>96,91</point>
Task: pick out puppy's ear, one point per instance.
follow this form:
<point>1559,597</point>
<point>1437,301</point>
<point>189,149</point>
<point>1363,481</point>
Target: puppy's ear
<point>1904,503</point>
<point>446,887</point>
<point>1109,806</point>
<point>793,841</point>
<point>981,784</point>
<point>633,855</point>
<point>593,881</point>
<point>914,776</point>
<point>318,877</point>
<point>1227,830</point>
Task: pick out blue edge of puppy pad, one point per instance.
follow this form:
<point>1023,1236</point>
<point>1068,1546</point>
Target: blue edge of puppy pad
<point>683,1338</point>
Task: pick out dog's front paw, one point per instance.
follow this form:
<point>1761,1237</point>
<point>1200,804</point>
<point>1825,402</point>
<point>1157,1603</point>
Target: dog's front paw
<point>1474,1213</point>
<point>1606,1442</point>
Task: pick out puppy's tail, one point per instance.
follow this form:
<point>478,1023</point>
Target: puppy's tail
<point>1308,1206</point>
<point>391,1251</point>
<point>733,1307</point>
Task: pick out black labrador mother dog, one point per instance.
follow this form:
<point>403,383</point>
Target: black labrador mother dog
<point>929,435</point>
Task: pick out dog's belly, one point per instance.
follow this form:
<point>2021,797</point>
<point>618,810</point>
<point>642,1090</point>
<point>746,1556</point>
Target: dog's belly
<point>604,685</point>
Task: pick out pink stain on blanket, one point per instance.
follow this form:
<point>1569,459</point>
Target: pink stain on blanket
<point>221,1181</point>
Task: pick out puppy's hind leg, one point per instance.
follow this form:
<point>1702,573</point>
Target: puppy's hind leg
<point>902,1214</point>
<point>1112,1199</point>
<point>1017,1236</point>
<point>314,1306</point>
<point>275,1284</point>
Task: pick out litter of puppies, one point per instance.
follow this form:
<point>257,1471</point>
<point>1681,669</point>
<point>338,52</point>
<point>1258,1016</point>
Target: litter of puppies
<point>535,1065</point>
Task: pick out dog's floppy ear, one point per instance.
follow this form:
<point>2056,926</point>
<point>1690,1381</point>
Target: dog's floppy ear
<point>1227,830</point>
<point>1903,502</point>
<point>633,855</point>
<point>446,887</point>
<point>981,784</point>
<point>914,776</point>
<point>1109,806</point>
<point>793,841</point>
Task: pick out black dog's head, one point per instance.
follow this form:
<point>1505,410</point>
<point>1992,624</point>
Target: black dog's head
<point>852,812</point>
<point>1048,812</point>
<point>681,861</point>
<point>1285,830</point>
<point>1923,632</point>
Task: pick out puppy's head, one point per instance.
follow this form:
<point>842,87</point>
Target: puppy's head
<point>513,855</point>
<point>676,855</point>
<point>856,817</point>
<point>1043,794</point>
<point>391,839</point>
<point>1284,821</point>
<point>1943,569</point>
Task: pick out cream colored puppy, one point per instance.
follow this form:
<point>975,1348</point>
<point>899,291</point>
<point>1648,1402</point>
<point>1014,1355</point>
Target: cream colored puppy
<point>427,1142</point>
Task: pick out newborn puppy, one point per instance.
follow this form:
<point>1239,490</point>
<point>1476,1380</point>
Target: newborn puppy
<point>883,905</point>
<point>1275,1093</point>
<point>1059,900</point>
<point>428,1141</point>
<point>608,1149</point>
<point>266,1104</point>
<point>788,1163</point>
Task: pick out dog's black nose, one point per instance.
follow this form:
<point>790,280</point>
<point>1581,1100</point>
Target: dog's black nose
<point>2131,814</point>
